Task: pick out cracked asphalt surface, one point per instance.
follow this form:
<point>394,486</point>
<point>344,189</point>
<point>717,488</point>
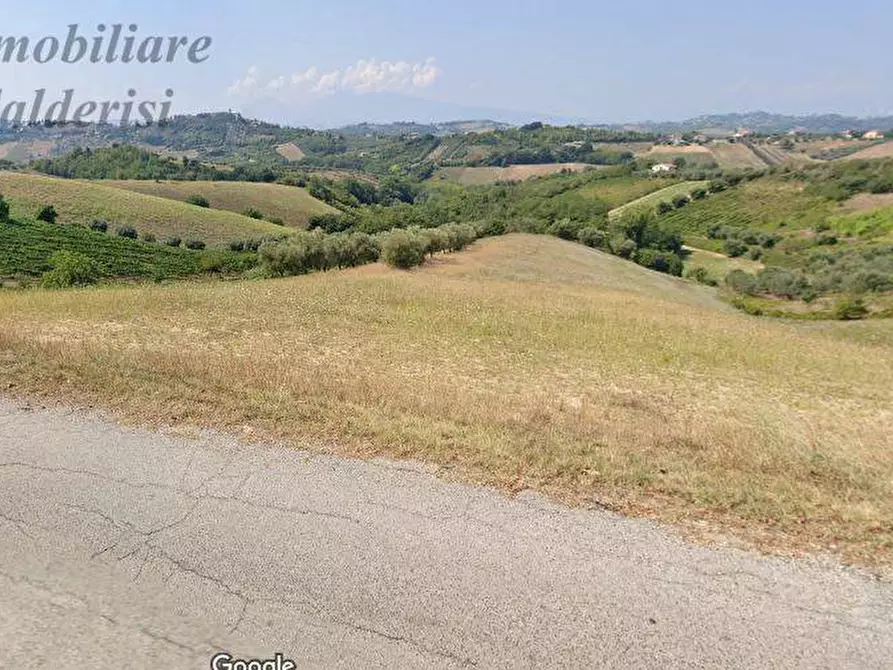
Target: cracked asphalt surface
<point>122,548</point>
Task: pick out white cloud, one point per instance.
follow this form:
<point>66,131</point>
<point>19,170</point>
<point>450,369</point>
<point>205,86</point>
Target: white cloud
<point>372,76</point>
<point>246,85</point>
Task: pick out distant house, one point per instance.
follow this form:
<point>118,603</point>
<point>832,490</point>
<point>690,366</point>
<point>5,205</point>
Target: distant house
<point>742,133</point>
<point>873,135</point>
<point>663,168</point>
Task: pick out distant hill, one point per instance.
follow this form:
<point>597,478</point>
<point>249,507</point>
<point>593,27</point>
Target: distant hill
<point>765,122</point>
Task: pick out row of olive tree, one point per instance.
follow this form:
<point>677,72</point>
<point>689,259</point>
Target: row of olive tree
<point>315,251</point>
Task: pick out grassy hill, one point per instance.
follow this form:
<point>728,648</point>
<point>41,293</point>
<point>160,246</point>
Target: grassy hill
<point>587,383</point>
<point>83,202</point>
<point>292,205</point>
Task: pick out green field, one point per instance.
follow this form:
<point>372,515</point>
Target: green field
<point>618,191</point>
<point>292,205</point>
<point>83,202</point>
<point>650,201</point>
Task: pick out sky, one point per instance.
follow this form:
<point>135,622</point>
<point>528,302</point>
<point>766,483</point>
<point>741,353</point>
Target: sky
<point>574,59</point>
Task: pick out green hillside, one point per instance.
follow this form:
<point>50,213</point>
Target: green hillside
<point>84,202</point>
<point>291,205</point>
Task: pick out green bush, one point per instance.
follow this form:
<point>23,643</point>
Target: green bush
<point>198,201</point>
<point>403,249</point>
<point>195,245</point>
<point>565,229</point>
<point>99,226</point>
<point>149,237</point>
<point>253,213</point>
<point>664,207</point>
<point>127,231</point>
<point>850,309</point>
<point>742,282</point>
<point>70,268</point>
<point>701,275</point>
<point>4,210</point>
<point>680,201</point>
<point>593,237</point>
<point>48,214</point>
<point>172,241</point>
<point>734,248</point>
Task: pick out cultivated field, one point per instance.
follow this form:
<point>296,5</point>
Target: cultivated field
<point>618,191</point>
<point>291,151</point>
<point>83,202</point>
<point>884,150</point>
<point>289,204</point>
<point>735,156</point>
<point>476,176</point>
<point>650,201</point>
<point>597,382</point>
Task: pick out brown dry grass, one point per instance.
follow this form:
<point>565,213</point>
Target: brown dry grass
<point>291,151</point>
<point>867,202</point>
<point>292,205</point>
<point>476,176</point>
<point>735,156</point>
<point>884,150</point>
<point>526,362</point>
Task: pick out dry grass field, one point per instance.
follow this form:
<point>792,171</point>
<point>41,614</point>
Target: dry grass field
<point>291,151</point>
<point>735,156</point>
<point>526,362</point>
<point>289,204</point>
<point>83,202</point>
<point>477,176</point>
<point>884,150</point>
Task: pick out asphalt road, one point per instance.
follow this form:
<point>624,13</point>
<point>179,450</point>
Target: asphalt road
<point>126,549</point>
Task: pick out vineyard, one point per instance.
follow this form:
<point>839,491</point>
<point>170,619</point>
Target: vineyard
<point>26,249</point>
<point>650,201</point>
<point>763,205</point>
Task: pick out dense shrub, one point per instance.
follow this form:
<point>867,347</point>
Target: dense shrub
<point>172,241</point>
<point>4,210</point>
<point>149,237</point>
<point>403,249</point>
<point>742,282</point>
<point>850,309</point>
<point>734,248</point>
<point>661,261</point>
<point>664,207</point>
<point>700,275</point>
<point>565,229</point>
<point>680,201</point>
<point>593,237</point>
<point>99,226</point>
<point>127,231</point>
<point>195,245</point>
<point>198,201</point>
<point>70,268</point>
<point>253,213</point>
<point>48,214</point>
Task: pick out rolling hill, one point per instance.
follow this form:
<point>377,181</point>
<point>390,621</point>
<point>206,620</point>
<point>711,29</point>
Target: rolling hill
<point>292,205</point>
<point>545,366</point>
<point>84,202</point>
